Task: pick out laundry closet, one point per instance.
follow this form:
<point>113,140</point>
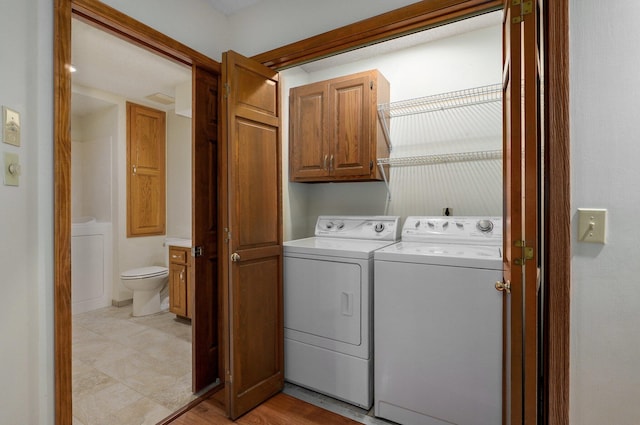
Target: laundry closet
<point>432,114</point>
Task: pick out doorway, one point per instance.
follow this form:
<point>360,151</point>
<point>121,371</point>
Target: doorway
<point>148,358</point>
<point>115,23</point>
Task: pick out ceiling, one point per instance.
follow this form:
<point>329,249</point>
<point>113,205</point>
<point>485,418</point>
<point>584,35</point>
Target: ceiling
<point>109,64</point>
<point>229,7</point>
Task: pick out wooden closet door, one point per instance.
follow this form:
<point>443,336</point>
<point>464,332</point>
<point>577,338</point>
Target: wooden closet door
<point>205,210</point>
<point>252,257</point>
<point>522,157</point>
<point>146,185</point>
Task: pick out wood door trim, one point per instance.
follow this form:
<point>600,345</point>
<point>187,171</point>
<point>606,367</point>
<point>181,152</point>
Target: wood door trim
<point>117,23</point>
<point>62,212</point>
<point>405,20</point>
<point>557,214</point>
<point>110,20</point>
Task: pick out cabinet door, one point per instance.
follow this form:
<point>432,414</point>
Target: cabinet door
<point>351,104</point>
<point>146,132</point>
<point>178,289</point>
<point>308,146</point>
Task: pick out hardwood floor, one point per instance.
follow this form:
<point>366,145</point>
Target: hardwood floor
<point>282,409</point>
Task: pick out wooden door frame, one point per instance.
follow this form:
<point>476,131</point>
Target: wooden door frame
<point>127,28</point>
<point>556,189</point>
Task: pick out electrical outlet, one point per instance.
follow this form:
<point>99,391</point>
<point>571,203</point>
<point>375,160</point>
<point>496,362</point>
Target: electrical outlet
<point>10,126</point>
<point>11,169</point>
<point>592,225</point>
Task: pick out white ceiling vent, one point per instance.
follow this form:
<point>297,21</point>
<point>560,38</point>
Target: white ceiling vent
<point>161,98</point>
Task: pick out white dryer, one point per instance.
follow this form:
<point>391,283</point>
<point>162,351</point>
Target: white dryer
<point>328,290</point>
<point>438,323</point>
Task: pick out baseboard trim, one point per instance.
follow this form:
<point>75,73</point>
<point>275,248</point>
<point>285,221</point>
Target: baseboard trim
<point>121,303</point>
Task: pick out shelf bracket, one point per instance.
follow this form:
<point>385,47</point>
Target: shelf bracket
<point>384,123</point>
<point>385,178</point>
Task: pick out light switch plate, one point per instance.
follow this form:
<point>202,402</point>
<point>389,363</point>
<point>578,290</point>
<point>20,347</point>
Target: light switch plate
<point>592,225</point>
<point>11,169</point>
<point>10,126</point>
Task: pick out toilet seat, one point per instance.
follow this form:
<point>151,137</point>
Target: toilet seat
<point>144,273</point>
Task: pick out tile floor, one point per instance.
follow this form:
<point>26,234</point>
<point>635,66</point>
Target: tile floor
<point>137,370</point>
<point>129,370</point>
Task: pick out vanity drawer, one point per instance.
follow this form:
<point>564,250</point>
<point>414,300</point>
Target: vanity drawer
<point>178,255</point>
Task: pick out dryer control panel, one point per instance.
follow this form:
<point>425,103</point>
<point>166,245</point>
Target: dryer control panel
<point>386,228</point>
<point>468,230</point>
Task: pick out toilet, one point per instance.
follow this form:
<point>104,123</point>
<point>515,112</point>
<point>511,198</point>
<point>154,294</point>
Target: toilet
<point>146,284</point>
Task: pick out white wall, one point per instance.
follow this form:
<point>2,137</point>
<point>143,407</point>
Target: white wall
<point>93,137</point>
<point>178,176</point>
<point>192,22</point>
<point>277,23</point>
<point>458,62</point>
<point>26,231</point>
<point>605,303</point>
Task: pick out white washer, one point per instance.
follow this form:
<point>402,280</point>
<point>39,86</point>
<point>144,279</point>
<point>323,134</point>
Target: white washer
<point>328,289</point>
<point>438,323</point>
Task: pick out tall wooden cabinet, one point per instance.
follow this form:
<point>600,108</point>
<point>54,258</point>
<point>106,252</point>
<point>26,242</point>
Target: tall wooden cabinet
<point>146,176</point>
<point>335,134</point>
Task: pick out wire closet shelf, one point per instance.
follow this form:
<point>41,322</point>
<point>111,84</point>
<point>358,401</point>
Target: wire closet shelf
<point>472,97</point>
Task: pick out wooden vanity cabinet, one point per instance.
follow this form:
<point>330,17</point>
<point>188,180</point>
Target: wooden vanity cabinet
<point>335,134</point>
<point>180,281</point>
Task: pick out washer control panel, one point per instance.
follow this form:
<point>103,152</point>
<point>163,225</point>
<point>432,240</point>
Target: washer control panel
<point>474,230</point>
<point>386,228</point>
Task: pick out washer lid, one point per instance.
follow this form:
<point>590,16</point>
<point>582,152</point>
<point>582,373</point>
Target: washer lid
<point>336,247</point>
<point>144,272</point>
<point>475,256</point>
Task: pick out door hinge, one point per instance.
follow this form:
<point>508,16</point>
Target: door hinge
<point>527,252</point>
<point>526,8</point>
<point>227,90</point>
<point>197,251</point>
<point>227,235</point>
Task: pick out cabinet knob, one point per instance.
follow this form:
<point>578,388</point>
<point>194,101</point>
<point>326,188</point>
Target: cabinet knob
<point>324,164</point>
<point>235,257</point>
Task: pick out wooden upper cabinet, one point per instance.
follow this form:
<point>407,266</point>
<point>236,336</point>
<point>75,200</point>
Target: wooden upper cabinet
<point>334,131</point>
<point>146,185</point>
